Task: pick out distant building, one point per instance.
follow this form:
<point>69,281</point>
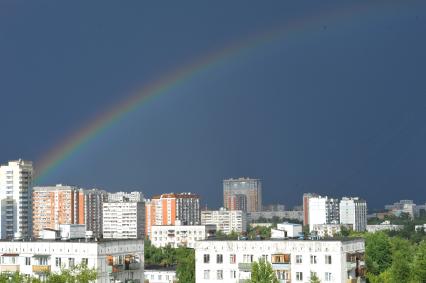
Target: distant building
<point>226,221</point>
<point>288,214</point>
<point>329,230</point>
<point>123,220</point>
<point>286,230</point>
<point>384,226</point>
<point>306,197</point>
<point>55,205</point>
<point>274,207</point>
<point>354,211</point>
<point>93,210</point>
<point>15,199</point>
<point>166,209</point>
<point>323,210</point>
<point>235,189</point>
<point>403,206</point>
<point>125,196</point>
<point>180,235</point>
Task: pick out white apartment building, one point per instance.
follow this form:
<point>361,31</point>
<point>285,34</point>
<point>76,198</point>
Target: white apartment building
<point>16,198</point>
<point>225,220</point>
<point>123,220</point>
<point>384,226</point>
<point>125,197</point>
<point>286,230</point>
<point>323,210</point>
<point>329,230</point>
<point>292,260</point>
<point>180,235</point>
<point>354,211</point>
<point>288,214</point>
<point>114,259</point>
<point>158,274</point>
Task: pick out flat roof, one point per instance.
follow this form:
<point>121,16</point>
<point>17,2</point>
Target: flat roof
<point>339,239</point>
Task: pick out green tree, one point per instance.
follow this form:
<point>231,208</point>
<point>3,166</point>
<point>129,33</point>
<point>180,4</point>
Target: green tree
<point>185,270</point>
<point>79,273</point>
<point>419,263</point>
<point>378,252</point>
<point>314,278</point>
<point>262,272</point>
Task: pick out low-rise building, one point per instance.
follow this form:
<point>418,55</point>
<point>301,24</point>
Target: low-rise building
<point>160,274</point>
<point>286,230</point>
<point>420,227</point>
<point>292,260</point>
<point>329,230</point>
<point>287,214</point>
<point>225,220</point>
<point>120,260</point>
<point>386,225</point>
<point>180,235</point>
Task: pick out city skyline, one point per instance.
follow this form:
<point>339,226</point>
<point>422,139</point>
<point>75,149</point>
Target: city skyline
<point>325,97</point>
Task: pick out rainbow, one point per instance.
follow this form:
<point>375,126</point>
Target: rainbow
<point>166,83</point>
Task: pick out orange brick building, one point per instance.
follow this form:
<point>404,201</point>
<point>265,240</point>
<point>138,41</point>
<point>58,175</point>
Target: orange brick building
<point>56,205</point>
<point>167,209</point>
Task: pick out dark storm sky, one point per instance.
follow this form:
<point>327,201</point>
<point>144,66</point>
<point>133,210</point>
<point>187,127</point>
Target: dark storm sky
<point>338,108</point>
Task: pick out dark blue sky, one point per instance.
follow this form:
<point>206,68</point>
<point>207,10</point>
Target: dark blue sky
<point>338,108</point>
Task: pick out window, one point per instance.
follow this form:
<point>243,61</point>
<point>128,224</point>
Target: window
<point>58,262</point>
<point>328,276</point>
<point>206,274</point>
<point>328,259</point>
<point>233,259</point>
<point>71,262</point>
<point>27,261</point>
<point>298,258</point>
<point>281,258</point>
<point>219,258</point>
<point>206,258</point>
<point>299,276</point>
<point>233,274</point>
<point>84,261</point>
<point>219,275</point>
<point>313,259</point>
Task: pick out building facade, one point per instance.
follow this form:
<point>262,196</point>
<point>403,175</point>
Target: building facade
<point>120,260</point>
<point>123,220</point>
<point>292,260</point>
<point>288,214</point>
<point>167,209</point>
<point>160,274</point>
<point>353,211</point>
<point>55,205</point>
<point>125,196</point>
<point>323,210</point>
<point>329,230</point>
<point>16,198</point>
<point>93,210</point>
<point>227,221</point>
<point>306,197</point>
<point>180,235</point>
<point>234,191</point>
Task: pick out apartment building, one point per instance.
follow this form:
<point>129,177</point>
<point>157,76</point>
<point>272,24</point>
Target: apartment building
<point>55,205</point>
<point>323,210</point>
<point>114,260</point>
<point>15,198</point>
<point>329,230</point>
<point>123,220</point>
<point>125,196</point>
<point>180,235</point>
<point>353,211</point>
<point>338,261</point>
<point>225,220</point>
<point>167,209</point>
<point>93,210</point>
<point>242,194</point>
<point>306,197</point>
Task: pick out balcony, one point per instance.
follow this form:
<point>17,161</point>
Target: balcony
<point>281,266</point>
<point>9,268</point>
<point>134,266</point>
<point>245,266</point>
<point>41,268</point>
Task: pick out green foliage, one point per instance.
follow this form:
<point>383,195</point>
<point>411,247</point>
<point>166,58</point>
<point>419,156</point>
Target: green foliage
<point>182,258</point>
<point>259,231</point>
<point>378,252</point>
<point>314,278</point>
<point>419,263</point>
<point>76,274</point>
<point>344,232</point>
<point>262,272</point>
